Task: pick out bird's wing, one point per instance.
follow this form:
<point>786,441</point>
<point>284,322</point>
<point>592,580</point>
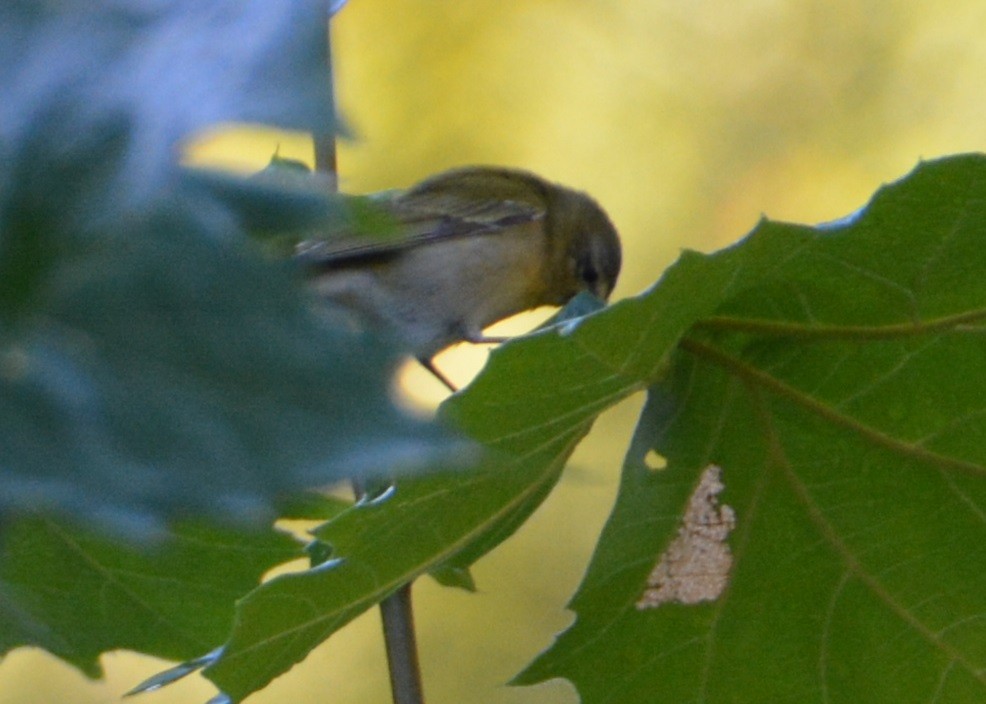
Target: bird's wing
<point>422,217</point>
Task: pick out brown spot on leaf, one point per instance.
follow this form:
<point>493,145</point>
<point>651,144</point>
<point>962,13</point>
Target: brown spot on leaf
<point>696,565</point>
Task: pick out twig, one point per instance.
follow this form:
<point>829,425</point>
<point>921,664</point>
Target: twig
<point>396,611</point>
<point>397,614</point>
<point>325,141</point>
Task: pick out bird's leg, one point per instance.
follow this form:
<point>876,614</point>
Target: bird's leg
<point>430,366</point>
<point>475,338</point>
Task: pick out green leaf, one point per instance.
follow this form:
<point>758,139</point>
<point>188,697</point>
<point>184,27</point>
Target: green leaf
<point>285,203</point>
<point>836,377</point>
<point>452,576</point>
<point>441,523</point>
<point>700,340</point>
<point>152,359</point>
<point>275,203</point>
<point>312,506</point>
<point>173,674</point>
<point>77,594</point>
<point>92,132</point>
<point>177,371</point>
<point>377,547</point>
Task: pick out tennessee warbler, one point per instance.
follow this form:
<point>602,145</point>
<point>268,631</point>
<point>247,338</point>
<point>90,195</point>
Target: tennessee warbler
<point>475,245</point>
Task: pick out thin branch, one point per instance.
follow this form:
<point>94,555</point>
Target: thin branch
<point>397,614</point>
<point>396,611</point>
<point>325,141</point>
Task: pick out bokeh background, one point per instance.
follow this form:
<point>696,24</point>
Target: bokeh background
<point>687,121</point>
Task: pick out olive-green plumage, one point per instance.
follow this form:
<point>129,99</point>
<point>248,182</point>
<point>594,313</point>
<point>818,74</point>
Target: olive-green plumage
<point>476,245</point>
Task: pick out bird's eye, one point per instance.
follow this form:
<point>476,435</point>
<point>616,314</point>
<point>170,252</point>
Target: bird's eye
<point>588,273</point>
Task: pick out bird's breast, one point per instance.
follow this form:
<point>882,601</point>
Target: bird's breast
<point>437,294</point>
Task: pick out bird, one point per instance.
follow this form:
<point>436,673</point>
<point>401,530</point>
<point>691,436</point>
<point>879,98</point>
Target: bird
<point>473,245</point>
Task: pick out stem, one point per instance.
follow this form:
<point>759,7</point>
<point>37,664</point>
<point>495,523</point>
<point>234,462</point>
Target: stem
<point>397,615</point>
<point>325,141</point>
<point>396,611</point>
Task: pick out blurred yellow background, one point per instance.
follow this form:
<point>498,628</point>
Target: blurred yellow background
<point>687,121</point>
